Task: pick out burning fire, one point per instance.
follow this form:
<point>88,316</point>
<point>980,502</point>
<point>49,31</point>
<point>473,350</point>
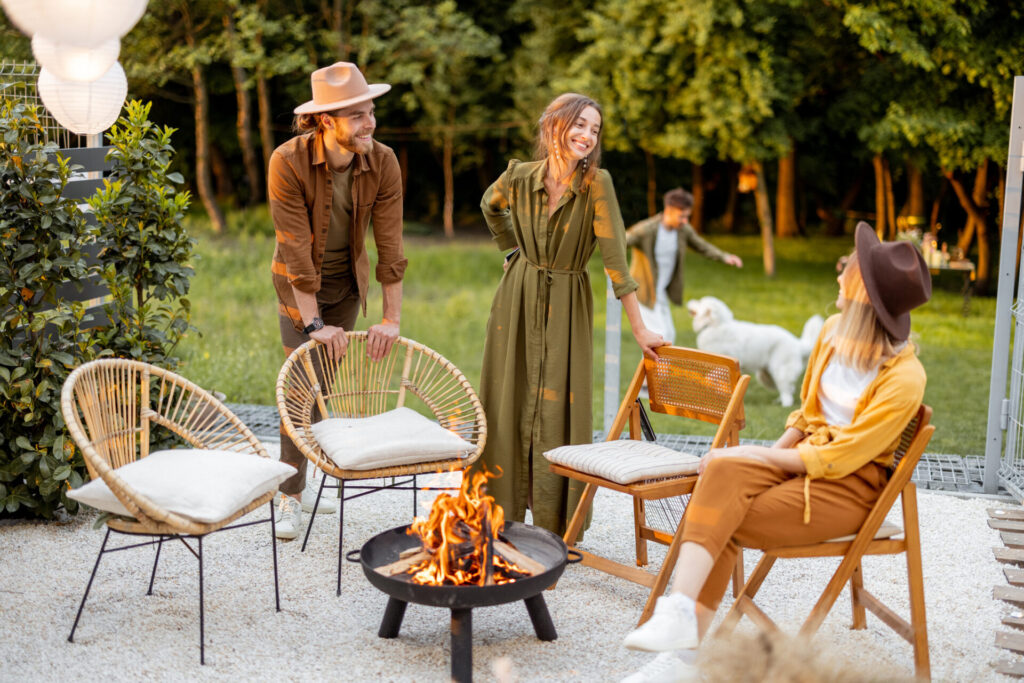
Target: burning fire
<point>459,538</point>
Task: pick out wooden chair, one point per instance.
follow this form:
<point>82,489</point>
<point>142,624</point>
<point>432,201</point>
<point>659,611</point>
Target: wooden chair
<point>685,383</point>
<point>113,409</point>
<point>310,388</point>
<point>873,538</point>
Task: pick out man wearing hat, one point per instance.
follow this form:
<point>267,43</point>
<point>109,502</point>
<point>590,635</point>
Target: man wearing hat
<point>325,185</point>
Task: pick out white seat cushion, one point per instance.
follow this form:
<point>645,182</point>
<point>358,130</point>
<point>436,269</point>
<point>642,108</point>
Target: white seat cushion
<point>887,530</point>
<point>203,485</point>
<point>397,437</point>
<point>625,461</point>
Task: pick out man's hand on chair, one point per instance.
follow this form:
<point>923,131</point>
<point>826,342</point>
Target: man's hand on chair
<point>380,338</point>
<point>334,338</point>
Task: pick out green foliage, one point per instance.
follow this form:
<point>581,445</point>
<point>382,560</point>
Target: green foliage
<point>146,251</point>
<point>41,337</point>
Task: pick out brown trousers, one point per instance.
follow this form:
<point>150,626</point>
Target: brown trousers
<point>338,299</point>
<point>741,502</point>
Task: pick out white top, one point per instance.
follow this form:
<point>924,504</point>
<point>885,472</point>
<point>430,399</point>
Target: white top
<point>840,389</point>
<point>666,250</point>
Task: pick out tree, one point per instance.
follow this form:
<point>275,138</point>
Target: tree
<point>442,57</point>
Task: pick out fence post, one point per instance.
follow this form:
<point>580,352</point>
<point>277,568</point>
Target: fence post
<point>1007,267</point>
<point>612,349</point>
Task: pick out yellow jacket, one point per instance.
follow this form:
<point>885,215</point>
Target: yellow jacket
<point>881,414</point>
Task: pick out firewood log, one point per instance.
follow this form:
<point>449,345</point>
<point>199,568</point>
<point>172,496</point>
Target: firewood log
<point>514,556</point>
<point>404,564</point>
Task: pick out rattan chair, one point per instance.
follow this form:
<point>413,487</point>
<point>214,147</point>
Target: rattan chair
<point>113,408</point>
<point>874,537</point>
<point>686,383</point>
<point>310,387</point>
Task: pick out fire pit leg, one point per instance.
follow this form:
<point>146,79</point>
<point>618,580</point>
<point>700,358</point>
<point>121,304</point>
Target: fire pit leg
<point>541,618</point>
<point>462,645</point>
<point>392,620</point>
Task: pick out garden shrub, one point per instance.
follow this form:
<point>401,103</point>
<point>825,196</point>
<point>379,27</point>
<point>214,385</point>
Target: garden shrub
<point>143,257</point>
<point>41,336</point>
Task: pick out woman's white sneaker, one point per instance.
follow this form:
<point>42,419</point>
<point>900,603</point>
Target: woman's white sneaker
<point>673,626</point>
<point>328,501</point>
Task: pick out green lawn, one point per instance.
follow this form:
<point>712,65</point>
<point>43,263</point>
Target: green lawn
<point>448,289</point>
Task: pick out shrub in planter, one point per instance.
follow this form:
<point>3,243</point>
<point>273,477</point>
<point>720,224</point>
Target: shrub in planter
<point>41,336</point>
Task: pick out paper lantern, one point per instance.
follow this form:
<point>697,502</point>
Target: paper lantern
<point>73,63</point>
<point>85,23</point>
<point>84,108</point>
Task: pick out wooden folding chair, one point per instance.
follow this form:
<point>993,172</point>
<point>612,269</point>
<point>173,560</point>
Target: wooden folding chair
<point>685,383</point>
<point>873,538</point>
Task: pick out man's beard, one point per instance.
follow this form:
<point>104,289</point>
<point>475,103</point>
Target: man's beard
<point>352,144</point>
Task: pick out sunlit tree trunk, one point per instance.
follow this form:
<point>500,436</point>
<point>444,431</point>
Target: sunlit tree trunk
<point>975,213</point>
<point>242,125</point>
<point>729,216</point>
<point>652,184</point>
<point>879,165</point>
<point>266,132</point>
<point>449,177</point>
<point>204,187</point>
<point>890,203</point>
<point>978,197</point>
<point>914,208</point>
<point>697,215</point>
<point>764,217</point>
<point>786,224</point>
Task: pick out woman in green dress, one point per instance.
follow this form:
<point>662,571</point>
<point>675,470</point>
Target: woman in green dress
<point>538,356</point>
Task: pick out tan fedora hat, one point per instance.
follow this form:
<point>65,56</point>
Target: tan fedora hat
<point>896,278</point>
<point>339,85</point>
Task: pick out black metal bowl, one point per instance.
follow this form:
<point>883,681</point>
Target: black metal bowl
<point>540,544</point>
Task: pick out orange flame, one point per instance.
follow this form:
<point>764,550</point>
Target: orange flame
<point>458,534</point>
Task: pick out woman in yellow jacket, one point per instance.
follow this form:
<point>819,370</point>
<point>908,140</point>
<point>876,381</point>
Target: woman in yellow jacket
<point>820,479</point>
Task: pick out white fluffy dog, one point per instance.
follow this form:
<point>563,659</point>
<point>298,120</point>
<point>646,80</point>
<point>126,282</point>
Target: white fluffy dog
<point>773,354</point>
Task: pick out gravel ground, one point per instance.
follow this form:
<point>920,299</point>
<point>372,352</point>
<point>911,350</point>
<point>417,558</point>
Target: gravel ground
<point>126,635</point>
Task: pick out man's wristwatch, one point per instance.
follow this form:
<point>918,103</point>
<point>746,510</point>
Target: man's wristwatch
<point>317,324</point>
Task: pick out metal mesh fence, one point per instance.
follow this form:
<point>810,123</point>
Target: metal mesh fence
<point>18,81</point>
<point>1011,471</point>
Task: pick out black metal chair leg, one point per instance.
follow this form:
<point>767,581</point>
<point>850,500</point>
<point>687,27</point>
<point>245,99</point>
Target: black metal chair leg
<point>414,491</point>
<point>273,547</point>
<point>312,515</point>
<point>152,577</point>
<point>341,527</point>
<point>202,615</point>
<point>88,586</point>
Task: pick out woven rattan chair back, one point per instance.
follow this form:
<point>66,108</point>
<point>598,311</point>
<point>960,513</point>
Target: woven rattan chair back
<point>694,384</point>
<point>411,375</point>
<point>111,407</point>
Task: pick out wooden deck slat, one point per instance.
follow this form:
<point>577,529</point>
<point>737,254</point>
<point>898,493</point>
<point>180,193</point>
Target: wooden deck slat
<point>1015,577</point>
<point>1010,640</point>
<point>1015,619</point>
<point>1006,513</point>
<point>1010,667</point>
<point>1009,555</point>
<point>1012,540</point>
<point>1009,594</point>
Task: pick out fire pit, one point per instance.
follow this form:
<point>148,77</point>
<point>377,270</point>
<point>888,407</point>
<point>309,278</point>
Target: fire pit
<point>540,544</point>
<point>456,559</point>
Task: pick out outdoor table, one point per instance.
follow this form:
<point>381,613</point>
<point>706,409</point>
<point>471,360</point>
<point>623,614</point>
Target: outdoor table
<point>966,269</point>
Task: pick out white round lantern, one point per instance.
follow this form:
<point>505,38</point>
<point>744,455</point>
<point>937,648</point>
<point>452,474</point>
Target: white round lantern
<point>84,108</point>
<point>85,23</point>
<point>73,63</point>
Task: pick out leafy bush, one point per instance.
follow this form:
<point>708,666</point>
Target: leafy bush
<point>41,336</point>
<point>146,250</point>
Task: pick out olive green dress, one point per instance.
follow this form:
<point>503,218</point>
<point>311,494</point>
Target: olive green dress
<point>537,371</point>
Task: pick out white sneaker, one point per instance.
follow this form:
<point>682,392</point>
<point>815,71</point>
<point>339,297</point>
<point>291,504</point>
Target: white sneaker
<point>673,626</point>
<point>665,668</point>
<point>288,520</point>
<point>328,501</point>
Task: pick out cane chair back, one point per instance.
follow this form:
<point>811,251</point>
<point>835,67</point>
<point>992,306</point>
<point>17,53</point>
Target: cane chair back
<point>685,383</point>
<point>311,387</point>
<point>874,537</point>
<point>114,408</point>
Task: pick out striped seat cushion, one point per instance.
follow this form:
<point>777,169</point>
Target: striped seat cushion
<point>625,461</point>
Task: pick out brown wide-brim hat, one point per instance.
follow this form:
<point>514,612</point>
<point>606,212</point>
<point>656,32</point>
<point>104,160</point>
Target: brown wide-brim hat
<point>896,278</point>
<point>339,85</point>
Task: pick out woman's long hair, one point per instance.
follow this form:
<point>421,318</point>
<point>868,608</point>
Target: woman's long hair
<point>859,339</point>
<point>555,123</point>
